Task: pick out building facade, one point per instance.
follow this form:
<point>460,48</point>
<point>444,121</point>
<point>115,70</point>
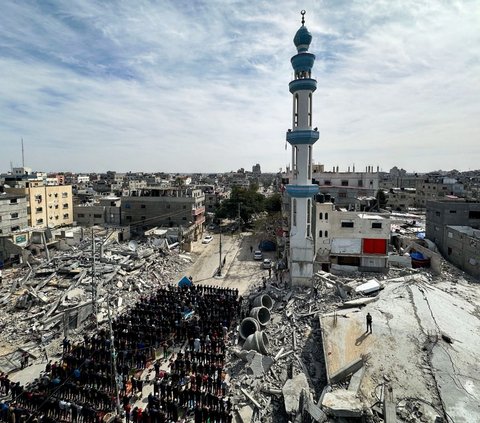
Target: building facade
<point>168,207</point>
<point>349,187</point>
<point>48,206</point>
<point>13,213</point>
<point>449,213</point>
<point>462,246</point>
<point>105,212</point>
<point>349,240</point>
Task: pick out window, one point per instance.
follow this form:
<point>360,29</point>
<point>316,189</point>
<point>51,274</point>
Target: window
<point>81,215</point>
<point>13,215</point>
<point>184,218</point>
<point>376,225</point>
<point>294,212</point>
<point>184,207</point>
<point>13,201</point>
<point>39,209</point>
<point>326,234</point>
<point>143,217</point>
<point>474,214</point>
<point>327,182</point>
<point>56,206</point>
<point>39,221</point>
<point>128,218</point>
<point>309,162</point>
<point>342,194</point>
<point>326,216</point>
<point>65,205</point>
<point>310,110</point>
<point>15,228</point>
<point>320,216</point>
<point>309,211</point>
<point>449,251</point>
<point>143,206</point>
<point>346,224</point>
<point>453,211</point>
<point>344,183</point>
<point>97,216</point>
<point>168,206</point>
<point>437,213</point>
<point>64,194</point>
<point>295,110</point>
<point>320,233</point>
<point>294,160</point>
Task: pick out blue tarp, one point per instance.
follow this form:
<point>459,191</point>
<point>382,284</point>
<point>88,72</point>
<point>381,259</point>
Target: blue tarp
<point>184,282</point>
<point>266,245</point>
<point>417,256</point>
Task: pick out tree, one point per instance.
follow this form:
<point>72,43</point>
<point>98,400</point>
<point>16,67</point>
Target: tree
<point>247,201</point>
<point>381,199</point>
<point>273,204</point>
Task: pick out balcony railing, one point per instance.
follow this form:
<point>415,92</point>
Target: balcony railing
<point>198,210</point>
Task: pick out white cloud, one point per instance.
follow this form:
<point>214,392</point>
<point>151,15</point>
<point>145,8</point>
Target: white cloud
<point>203,86</point>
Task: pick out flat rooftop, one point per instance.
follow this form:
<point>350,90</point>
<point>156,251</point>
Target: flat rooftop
<point>425,342</point>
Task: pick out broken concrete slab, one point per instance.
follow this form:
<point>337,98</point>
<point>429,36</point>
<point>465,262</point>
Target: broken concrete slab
<point>342,403</point>
<point>346,371</point>
<point>258,363</point>
<point>292,391</point>
<point>359,302</point>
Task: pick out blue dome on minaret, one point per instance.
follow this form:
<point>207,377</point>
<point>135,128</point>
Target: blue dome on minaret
<point>302,38</point>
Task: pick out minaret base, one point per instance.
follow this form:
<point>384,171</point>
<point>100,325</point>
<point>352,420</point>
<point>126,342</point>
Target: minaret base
<point>301,264</point>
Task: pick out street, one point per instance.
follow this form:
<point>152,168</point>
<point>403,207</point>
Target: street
<point>240,270</point>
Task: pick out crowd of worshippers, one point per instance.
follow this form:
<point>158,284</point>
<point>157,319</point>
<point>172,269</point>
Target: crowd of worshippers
<point>81,387</point>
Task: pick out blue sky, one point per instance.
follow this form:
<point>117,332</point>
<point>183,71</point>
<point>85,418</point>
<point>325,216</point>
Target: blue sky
<point>202,86</point>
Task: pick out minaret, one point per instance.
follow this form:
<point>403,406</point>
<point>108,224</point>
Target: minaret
<point>302,137</point>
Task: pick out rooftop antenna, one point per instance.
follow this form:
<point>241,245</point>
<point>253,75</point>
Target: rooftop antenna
<point>303,16</point>
<point>23,155</point>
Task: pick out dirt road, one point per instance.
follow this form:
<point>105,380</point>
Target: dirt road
<point>240,270</point>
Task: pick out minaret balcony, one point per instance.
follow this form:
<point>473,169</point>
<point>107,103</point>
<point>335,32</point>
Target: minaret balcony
<point>303,62</point>
<point>302,191</point>
<point>303,137</point>
<point>302,84</point>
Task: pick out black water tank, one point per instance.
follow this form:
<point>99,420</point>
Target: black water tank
<point>327,198</point>
<point>320,198</point>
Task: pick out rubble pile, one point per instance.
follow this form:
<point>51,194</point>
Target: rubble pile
<point>278,379</point>
<point>63,293</point>
<point>277,368</point>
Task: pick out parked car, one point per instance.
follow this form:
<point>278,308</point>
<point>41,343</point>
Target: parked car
<point>257,255</point>
<point>207,239</point>
<point>267,264</point>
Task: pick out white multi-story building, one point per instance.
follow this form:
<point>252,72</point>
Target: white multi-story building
<point>349,240</point>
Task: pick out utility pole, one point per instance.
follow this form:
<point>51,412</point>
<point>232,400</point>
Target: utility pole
<point>220,255</point>
<point>113,359</point>
<point>94,284</point>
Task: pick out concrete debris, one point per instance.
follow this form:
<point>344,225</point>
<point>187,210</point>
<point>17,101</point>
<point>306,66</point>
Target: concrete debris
<point>258,363</point>
<point>292,391</point>
<point>52,296</point>
<point>342,403</point>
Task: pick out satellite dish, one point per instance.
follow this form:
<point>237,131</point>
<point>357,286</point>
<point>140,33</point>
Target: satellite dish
<point>133,245</point>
